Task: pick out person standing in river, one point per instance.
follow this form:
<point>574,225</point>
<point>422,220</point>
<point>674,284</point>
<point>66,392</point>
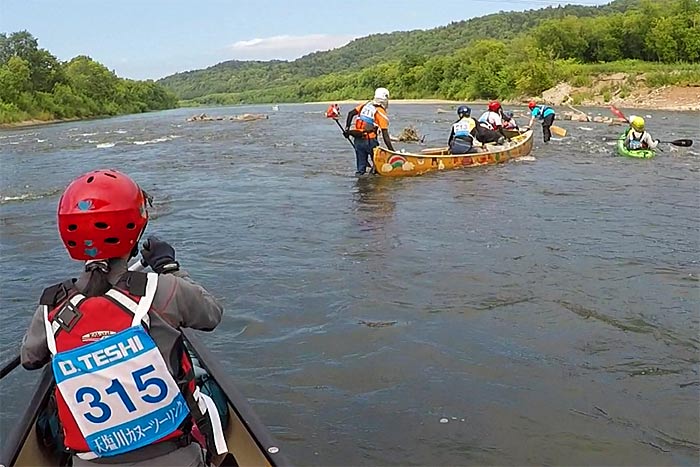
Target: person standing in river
<point>113,336</point>
<point>371,119</point>
<point>544,113</point>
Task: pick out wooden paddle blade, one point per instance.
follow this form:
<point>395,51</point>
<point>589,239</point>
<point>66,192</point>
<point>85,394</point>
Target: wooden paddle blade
<point>685,143</point>
<point>617,113</point>
<point>557,130</point>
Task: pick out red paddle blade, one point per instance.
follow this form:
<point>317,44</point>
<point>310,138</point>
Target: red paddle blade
<point>617,113</point>
<point>333,111</point>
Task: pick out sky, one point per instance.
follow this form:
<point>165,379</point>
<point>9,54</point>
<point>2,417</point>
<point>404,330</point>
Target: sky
<point>151,39</point>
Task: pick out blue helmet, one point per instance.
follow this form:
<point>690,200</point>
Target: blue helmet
<point>463,111</point>
<point>508,115</point>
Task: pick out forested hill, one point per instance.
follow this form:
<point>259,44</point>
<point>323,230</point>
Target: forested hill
<point>623,29</point>
<point>36,86</point>
<point>233,75</point>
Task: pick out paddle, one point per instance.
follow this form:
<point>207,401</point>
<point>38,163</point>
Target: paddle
<point>333,113</point>
<point>9,366</point>
<point>684,143</point>
<point>557,130</point>
<point>14,363</point>
<point>618,113</point>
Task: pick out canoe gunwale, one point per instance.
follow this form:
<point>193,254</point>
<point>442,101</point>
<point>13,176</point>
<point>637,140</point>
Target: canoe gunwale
<point>237,401</point>
<point>15,440</point>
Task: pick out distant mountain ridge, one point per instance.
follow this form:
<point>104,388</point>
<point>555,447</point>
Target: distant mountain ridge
<point>239,76</point>
<point>501,55</point>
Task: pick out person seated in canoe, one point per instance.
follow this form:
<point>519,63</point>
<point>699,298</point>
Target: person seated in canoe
<point>463,133</point>
<point>544,113</point>
<point>371,119</point>
<point>636,137</point>
<point>490,129</point>
<point>125,387</point>
<point>509,122</point>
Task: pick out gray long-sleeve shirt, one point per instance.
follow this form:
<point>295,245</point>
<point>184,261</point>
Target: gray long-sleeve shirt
<point>178,303</point>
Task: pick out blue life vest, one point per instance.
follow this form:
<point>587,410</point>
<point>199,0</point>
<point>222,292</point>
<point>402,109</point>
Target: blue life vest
<point>542,111</point>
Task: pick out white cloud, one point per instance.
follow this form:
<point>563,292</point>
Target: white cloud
<point>286,47</point>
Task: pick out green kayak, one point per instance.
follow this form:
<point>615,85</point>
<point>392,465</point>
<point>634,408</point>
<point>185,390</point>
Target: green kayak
<point>638,153</point>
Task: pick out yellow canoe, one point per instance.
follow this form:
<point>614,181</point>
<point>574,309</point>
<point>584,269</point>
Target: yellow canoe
<point>404,164</point>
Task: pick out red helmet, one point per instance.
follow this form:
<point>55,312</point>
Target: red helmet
<point>494,106</point>
<point>101,215</point>
<point>531,105</point>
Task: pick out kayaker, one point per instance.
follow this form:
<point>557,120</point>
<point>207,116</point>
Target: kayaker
<point>509,122</point>
<point>371,119</point>
<point>463,133</point>
<point>637,138</point>
<point>490,128</point>
<point>125,385</point>
<point>544,113</point>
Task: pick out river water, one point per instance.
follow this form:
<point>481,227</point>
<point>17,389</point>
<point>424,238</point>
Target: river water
<point>539,312</point>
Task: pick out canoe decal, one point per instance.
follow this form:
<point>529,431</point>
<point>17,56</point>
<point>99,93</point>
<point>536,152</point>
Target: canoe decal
<point>397,162</point>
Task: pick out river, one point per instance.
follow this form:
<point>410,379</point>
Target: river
<point>539,312</point>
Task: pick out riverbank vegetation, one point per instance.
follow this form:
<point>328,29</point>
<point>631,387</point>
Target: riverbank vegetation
<point>35,85</point>
<point>504,55</point>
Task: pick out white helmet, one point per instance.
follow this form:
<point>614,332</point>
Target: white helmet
<point>381,93</point>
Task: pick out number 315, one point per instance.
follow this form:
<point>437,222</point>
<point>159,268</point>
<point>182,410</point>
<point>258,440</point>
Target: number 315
<point>117,388</point>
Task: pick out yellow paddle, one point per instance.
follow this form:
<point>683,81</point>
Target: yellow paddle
<point>557,130</point>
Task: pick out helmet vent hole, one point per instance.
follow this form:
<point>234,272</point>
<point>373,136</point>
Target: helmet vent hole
<point>110,175</point>
<point>90,179</point>
<point>112,240</point>
<point>101,225</point>
<point>72,227</point>
<point>130,226</point>
<point>71,243</point>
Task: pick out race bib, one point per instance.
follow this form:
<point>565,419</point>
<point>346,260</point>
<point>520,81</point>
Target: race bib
<point>463,128</point>
<point>634,144</point>
<point>120,392</point>
<point>368,112</point>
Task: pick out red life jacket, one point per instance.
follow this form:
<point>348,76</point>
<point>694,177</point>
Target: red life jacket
<point>75,320</point>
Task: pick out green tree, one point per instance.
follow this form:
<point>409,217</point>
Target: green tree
<point>93,80</point>
<point>45,69</point>
<point>14,79</point>
<point>661,41</point>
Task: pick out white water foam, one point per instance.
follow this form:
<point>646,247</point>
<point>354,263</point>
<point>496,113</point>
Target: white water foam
<point>525,158</point>
<point>152,141</point>
<point>25,196</point>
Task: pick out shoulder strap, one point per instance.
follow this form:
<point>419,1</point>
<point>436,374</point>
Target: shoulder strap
<point>139,310</point>
<point>145,302</point>
<point>66,318</point>
<point>52,296</point>
<point>139,284</point>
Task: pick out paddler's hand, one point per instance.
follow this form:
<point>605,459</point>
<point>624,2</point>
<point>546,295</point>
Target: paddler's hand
<point>159,255</point>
